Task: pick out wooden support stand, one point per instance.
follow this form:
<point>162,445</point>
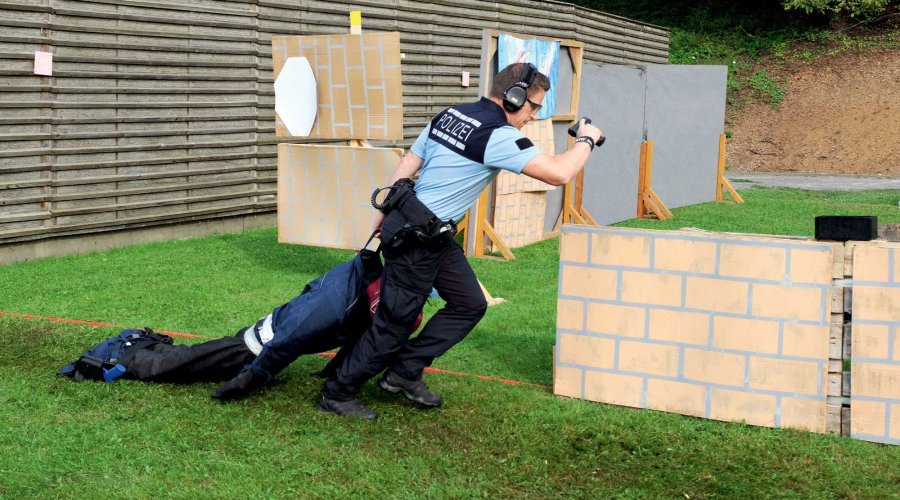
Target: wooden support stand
<point>573,211</point>
<point>649,204</point>
<point>491,300</point>
<point>721,182</point>
<point>483,228</point>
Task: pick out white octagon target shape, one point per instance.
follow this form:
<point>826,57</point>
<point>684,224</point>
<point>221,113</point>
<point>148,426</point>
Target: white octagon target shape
<point>295,96</point>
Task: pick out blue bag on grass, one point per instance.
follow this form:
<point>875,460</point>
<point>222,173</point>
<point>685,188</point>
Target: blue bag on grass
<point>101,362</point>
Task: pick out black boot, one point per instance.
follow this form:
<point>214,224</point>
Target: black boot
<point>350,408</point>
<point>414,390</point>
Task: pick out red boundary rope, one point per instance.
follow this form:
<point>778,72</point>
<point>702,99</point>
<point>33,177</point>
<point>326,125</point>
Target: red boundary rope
<point>98,324</point>
<point>95,324</point>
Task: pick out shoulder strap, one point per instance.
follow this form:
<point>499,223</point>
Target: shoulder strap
<point>117,350</point>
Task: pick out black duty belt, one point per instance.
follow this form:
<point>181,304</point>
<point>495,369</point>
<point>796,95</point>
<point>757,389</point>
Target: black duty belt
<point>421,224</point>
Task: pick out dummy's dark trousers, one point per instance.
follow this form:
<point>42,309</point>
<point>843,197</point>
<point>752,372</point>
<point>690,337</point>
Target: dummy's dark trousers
<point>329,312</point>
<point>409,275</point>
<point>212,361</point>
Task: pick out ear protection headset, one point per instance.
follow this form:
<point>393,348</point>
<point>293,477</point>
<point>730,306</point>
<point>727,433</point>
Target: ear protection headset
<point>515,96</point>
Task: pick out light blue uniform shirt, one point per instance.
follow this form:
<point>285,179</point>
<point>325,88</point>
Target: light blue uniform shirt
<point>449,183</point>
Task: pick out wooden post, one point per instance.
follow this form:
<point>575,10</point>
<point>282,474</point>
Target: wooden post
<point>483,228</point>
<point>573,194</point>
<point>720,176</point>
<point>649,203</point>
<point>461,228</point>
<point>579,197</point>
<point>721,182</point>
<point>479,224</point>
<point>640,195</point>
<point>578,207</point>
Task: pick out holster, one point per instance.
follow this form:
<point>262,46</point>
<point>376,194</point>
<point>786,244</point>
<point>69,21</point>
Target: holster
<point>422,226</point>
<point>371,264</point>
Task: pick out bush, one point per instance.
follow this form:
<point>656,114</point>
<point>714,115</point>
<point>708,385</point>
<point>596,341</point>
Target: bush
<point>866,9</point>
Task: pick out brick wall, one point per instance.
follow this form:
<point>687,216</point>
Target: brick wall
<point>324,192</point>
<point>729,327</point>
<point>875,368</point>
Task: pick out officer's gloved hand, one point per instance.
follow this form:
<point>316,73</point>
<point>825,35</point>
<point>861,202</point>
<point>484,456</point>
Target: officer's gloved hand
<point>241,386</point>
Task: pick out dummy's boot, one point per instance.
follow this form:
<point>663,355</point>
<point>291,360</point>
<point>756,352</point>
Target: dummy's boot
<point>414,390</point>
<point>350,408</point>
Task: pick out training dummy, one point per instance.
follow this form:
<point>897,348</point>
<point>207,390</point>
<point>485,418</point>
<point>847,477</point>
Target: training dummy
<point>332,311</point>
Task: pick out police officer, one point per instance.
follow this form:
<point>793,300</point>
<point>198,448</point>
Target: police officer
<point>459,153</point>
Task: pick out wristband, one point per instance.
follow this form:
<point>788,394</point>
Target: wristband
<point>587,140</point>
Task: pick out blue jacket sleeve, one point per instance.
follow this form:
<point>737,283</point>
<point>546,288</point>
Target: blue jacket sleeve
<point>312,321</point>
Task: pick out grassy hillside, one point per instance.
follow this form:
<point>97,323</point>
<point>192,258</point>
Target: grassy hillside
<point>750,36</point>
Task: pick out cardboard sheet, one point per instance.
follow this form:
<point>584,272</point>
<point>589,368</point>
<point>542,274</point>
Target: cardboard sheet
<point>324,192</point>
<point>359,86</point>
<point>875,352</point>
<point>519,217</point>
<point>721,326</point>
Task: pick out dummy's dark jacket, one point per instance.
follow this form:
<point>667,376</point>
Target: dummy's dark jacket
<point>332,311</point>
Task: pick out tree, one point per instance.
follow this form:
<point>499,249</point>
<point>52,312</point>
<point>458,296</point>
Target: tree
<point>865,9</point>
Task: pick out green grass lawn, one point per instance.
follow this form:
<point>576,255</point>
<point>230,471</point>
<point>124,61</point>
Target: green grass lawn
<point>132,439</point>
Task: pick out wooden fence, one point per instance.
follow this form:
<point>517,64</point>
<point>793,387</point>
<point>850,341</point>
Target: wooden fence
<point>162,112</point>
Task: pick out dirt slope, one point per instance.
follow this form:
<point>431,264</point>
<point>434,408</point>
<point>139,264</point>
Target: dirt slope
<point>840,115</point>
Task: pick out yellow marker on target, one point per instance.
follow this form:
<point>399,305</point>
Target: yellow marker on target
<point>355,22</point>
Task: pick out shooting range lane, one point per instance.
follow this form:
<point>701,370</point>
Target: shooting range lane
<point>97,324</point>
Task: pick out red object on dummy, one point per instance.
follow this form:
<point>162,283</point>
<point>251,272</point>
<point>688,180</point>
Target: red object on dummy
<point>374,293</point>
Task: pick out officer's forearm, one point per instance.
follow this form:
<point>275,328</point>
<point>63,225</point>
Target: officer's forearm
<point>560,169</point>
<point>573,160</point>
<point>407,168</point>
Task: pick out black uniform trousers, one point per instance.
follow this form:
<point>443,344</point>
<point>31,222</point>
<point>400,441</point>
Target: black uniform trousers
<point>409,275</point>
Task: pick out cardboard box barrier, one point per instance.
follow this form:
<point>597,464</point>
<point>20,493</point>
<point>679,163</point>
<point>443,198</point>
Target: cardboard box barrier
<point>520,217</point>
<point>711,325</point>
<point>875,367</point>
<point>358,83</point>
<point>324,192</point>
